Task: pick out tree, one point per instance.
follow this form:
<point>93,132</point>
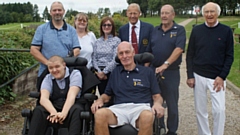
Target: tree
<point>107,12</point>
<point>70,13</point>
<point>46,15</point>
<point>36,16</point>
<point>100,12</point>
<point>154,6</point>
<point>143,5</point>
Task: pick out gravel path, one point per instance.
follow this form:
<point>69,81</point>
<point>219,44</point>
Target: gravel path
<point>187,118</point>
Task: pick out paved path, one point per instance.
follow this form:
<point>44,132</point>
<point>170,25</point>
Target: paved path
<point>187,119</point>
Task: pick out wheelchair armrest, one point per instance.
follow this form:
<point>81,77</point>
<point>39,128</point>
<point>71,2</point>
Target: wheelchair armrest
<point>34,94</point>
<point>90,96</point>
<point>26,113</point>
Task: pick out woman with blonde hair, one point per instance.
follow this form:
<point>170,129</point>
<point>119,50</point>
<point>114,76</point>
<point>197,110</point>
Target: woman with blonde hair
<point>86,38</point>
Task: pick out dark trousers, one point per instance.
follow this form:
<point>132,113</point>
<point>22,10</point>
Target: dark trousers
<point>39,122</point>
<point>170,93</point>
<point>103,84</point>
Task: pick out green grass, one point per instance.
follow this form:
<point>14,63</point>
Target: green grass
<point>13,26</point>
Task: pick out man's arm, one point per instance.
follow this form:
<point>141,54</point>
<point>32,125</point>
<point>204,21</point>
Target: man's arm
<point>157,108</point>
<point>76,52</point>
<point>71,96</point>
<point>173,57</point>
<point>47,104</point>
<point>35,52</point>
<point>104,98</point>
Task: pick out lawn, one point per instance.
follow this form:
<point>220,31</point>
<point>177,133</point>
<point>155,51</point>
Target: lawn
<point>156,20</point>
<point>13,26</point>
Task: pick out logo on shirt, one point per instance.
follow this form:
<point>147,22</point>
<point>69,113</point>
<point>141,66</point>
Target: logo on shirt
<point>173,34</point>
<point>137,82</point>
<point>145,42</point>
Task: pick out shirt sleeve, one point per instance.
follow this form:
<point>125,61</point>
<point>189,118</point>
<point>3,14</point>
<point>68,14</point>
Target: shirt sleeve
<point>76,43</point>
<point>38,37</point>
<point>76,79</point>
<point>47,83</point>
<point>94,56</point>
<point>181,38</point>
<point>190,55</point>
<point>154,84</point>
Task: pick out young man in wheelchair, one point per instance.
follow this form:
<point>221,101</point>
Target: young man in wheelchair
<point>59,92</point>
<point>134,88</point>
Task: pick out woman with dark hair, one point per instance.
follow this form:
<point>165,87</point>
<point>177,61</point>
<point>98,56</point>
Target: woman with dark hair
<point>86,38</point>
<point>105,51</point>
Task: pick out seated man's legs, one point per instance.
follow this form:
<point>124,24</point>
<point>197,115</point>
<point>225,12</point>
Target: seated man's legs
<point>138,115</point>
<point>145,123</point>
<point>103,118</point>
<point>39,121</point>
<point>73,119</point>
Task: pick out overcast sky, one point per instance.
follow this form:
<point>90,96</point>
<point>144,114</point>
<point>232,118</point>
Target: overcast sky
<point>79,5</point>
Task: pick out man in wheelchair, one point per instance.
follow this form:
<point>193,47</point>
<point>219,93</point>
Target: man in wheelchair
<point>59,93</point>
<point>136,93</point>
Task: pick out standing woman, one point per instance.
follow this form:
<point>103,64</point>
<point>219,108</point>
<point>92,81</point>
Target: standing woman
<point>105,51</point>
<point>85,37</point>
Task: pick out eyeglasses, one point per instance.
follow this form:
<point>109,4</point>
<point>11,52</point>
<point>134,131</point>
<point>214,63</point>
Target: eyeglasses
<point>105,25</point>
<point>82,20</point>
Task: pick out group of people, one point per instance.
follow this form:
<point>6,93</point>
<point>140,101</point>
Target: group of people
<point>138,98</point>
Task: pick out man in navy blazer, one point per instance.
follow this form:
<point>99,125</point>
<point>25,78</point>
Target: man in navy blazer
<point>143,30</point>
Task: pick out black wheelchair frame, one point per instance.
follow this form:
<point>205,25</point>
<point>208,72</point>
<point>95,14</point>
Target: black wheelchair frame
<point>89,81</point>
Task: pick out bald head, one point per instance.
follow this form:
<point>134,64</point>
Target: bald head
<point>168,7</point>
<point>125,44</point>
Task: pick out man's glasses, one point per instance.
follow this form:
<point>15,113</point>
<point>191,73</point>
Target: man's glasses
<point>105,25</point>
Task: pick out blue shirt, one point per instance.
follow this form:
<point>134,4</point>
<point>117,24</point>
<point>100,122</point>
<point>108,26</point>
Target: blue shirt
<point>75,80</point>
<point>55,41</point>
<point>136,86</point>
<point>104,53</point>
<point>163,43</point>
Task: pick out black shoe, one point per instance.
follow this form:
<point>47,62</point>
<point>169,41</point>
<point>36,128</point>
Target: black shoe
<point>171,133</point>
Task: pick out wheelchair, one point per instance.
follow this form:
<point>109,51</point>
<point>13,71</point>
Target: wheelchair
<point>89,81</point>
<point>129,129</point>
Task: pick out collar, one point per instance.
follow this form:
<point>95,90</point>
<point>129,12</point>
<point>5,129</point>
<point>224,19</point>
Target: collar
<point>136,69</point>
<point>213,25</point>
<point>64,25</point>
<point>137,24</point>
<point>65,76</point>
<point>109,36</point>
<point>175,26</point>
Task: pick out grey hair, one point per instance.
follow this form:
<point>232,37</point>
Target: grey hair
<point>215,4</point>
<point>58,3</point>
<point>134,5</point>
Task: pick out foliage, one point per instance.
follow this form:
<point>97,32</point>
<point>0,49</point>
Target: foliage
<point>17,12</point>
<point>12,63</point>
<point>46,15</point>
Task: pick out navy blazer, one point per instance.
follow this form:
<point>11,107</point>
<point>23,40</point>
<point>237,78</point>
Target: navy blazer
<point>144,36</point>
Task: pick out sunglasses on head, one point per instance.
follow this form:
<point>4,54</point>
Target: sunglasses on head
<point>105,25</point>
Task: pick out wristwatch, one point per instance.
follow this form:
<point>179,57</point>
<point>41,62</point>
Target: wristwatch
<point>167,63</point>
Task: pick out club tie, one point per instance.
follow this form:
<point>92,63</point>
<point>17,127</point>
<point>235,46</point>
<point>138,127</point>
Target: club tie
<point>134,40</point>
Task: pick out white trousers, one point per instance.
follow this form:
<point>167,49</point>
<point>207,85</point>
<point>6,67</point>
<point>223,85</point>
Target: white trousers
<point>202,85</point>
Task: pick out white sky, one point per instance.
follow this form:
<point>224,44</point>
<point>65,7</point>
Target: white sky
<point>79,5</point>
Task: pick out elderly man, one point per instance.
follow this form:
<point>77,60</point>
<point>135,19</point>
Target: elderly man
<point>136,31</point>
<point>209,59</point>
<point>167,45</point>
<point>133,87</point>
<point>59,91</point>
<point>55,37</point>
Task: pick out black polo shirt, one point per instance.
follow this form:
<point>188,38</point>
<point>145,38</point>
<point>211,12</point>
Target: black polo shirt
<point>136,86</point>
<point>163,43</point>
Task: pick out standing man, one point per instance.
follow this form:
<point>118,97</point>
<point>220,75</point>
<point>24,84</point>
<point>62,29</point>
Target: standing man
<point>136,32</point>
<point>209,59</point>
<point>167,45</point>
<point>55,37</point>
